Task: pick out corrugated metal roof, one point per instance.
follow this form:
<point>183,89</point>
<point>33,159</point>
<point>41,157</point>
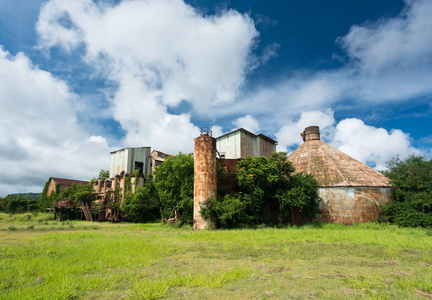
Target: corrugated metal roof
<point>332,167</point>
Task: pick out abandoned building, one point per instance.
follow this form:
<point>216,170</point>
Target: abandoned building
<point>59,184</point>
<point>350,191</point>
<point>129,160</point>
<point>240,143</point>
<point>157,158</point>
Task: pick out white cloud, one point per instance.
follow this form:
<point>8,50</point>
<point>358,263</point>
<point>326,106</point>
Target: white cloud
<point>39,135</point>
<point>216,131</point>
<point>289,134</point>
<point>371,145</point>
<point>368,144</point>
<point>247,122</point>
<point>402,42</point>
<point>388,61</point>
<point>160,53</point>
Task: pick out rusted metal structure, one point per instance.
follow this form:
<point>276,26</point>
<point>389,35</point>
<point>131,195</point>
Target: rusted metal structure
<point>350,190</point>
<point>205,185</point>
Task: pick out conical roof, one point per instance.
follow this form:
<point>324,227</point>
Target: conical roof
<point>332,167</point>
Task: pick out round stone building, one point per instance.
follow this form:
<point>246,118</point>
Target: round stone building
<point>350,191</point>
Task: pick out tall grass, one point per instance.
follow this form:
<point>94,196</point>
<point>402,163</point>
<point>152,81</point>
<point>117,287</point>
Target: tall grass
<point>83,260</point>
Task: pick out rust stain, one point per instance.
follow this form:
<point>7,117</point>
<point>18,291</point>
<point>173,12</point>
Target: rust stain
<point>348,205</point>
<point>205,184</point>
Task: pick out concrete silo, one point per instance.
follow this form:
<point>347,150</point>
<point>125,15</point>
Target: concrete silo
<point>205,184</point>
<point>350,190</point>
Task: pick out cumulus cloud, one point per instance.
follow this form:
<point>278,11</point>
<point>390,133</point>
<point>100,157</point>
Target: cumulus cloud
<point>39,135</point>
<point>247,122</point>
<point>160,53</point>
<point>217,130</point>
<point>387,61</point>
<point>371,145</point>
<point>289,135</point>
<point>368,144</point>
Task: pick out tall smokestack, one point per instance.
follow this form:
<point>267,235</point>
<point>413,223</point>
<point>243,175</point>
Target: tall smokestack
<point>311,133</point>
<point>205,184</point>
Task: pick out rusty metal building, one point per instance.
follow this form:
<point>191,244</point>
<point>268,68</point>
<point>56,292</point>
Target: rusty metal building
<point>130,159</point>
<point>350,191</point>
<point>157,158</point>
<point>240,143</point>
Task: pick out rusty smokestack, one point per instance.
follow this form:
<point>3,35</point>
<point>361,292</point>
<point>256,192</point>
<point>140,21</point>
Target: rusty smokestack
<point>205,185</point>
<point>311,133</point>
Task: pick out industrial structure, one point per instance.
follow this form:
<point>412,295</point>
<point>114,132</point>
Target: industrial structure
<point>350,191</point>
<point>205,184</point>
<point>240,143</point>
<point>59,184</point>
<point>157,158</point>
<point>129,160</point>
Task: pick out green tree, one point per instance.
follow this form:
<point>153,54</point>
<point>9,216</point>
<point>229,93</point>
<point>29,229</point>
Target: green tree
<point>142,205</point>
<point>104,173</point>
<point>85,197</point>
<point>174,181</point>
<point>70,192</point>
<point>267,193</point>
<point>411,180</point>
<point>17,205</point>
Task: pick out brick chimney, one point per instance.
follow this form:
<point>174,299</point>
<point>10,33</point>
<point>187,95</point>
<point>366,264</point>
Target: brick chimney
<point>311,133</point>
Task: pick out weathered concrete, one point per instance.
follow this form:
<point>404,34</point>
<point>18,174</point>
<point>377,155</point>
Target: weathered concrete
<point>240,143</point>
<point>205,185</point>
<point>129,159</point>
<point>350,190</point>
<point>348,205</point>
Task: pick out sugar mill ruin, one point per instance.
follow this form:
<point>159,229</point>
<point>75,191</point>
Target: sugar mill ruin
<point>350,191</point>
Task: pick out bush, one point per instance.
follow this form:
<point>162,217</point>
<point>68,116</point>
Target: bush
<point>141,206</point>
<point>412,181</point>
<point>268,192</point>
<point>226,212</point>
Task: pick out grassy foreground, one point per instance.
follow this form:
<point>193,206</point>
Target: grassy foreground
<point>44,259</point>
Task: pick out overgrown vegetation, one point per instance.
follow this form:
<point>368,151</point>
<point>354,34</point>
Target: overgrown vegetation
<point>17,204</point>
<point>141,206</point>
<point>268,193</point>
<point>411,179</point>
<point>174,181</point>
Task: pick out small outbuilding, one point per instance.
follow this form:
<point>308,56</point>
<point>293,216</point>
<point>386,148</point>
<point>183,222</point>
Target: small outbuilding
<point>350,191</point>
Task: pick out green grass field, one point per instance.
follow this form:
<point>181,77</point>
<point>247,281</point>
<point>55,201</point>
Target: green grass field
<point>44,259</point>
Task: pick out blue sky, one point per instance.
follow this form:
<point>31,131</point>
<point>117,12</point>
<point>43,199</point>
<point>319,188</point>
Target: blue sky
<point>81,78</point>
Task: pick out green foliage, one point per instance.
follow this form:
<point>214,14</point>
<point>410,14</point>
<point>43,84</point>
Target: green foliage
<point>46,201</point>
<point>302,194</point>
<point>18,205</point>
<point>4,201</point>
<point>104,173</point>
<point>70,192</point>
<point>226,212</point>
<point>174,181</point>
<point>85,197</point>
<point>29,196</point>
<point>141,206</point>
<point>412,181</point>
<point>265,184</point>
